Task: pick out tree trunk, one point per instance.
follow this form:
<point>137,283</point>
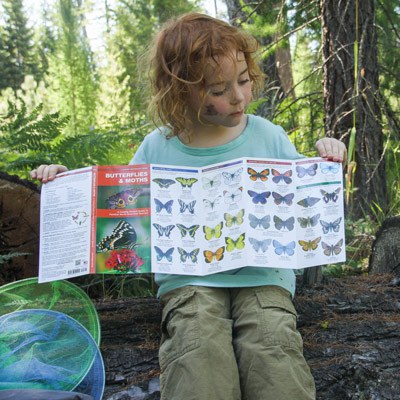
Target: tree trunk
<point>385,256</point>
<point>19,228</point>
<point>347,91</point>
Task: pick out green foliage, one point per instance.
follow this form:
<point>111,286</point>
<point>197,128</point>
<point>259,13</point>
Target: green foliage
<point>28,139</point>
<point>16,49</point>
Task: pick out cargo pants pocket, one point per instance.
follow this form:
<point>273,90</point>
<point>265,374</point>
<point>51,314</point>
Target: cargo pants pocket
<point>179,326</point>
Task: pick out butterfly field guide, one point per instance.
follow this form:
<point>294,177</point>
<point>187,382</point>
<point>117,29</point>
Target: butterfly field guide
<point>192,221</point>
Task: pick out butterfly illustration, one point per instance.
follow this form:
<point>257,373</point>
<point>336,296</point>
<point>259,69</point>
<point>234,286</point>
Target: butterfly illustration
<point>254,175</point>
<point>308,221</point>
<point>123,236</point>
<point>232,244</point>
<point>309,245</point>
<point>218,255</point>
<point>211,183</point>
<point>259,198</point>
<point>123,199</point>
<point>263,222</point>
<point>310,171</point>
<point>330,168</point>
<point>278,176</point>
<point>167,255</point>
<point>287,249</point>
<point>186,206</point>
<point>231,178</point>
<point>164,230</point>
<point>184,230</point>
<point>211,203</point>
<point>213,232</point>
<point>287,199</point>
<point>308,201</point>
<point>284,224</point>
<point>233,197</point>
<point>192,255</point>
<point>260,244</point>
<point>333,226</point>
<point>330,249</point>
<point>186,182</point>
<point>161,206</point>
<point>164,183</point>
<point>333,196</point>
<point>234,219</point>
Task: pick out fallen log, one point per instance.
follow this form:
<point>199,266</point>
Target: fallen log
<point>350,328</point>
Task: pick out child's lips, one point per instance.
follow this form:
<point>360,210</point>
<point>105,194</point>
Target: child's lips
<point>237,113</point>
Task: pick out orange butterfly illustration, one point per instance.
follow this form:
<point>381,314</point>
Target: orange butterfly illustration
<point>254,175</point>
<point>218,255</point>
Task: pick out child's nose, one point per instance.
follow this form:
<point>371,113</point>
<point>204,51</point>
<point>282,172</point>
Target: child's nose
<point>237,95</point>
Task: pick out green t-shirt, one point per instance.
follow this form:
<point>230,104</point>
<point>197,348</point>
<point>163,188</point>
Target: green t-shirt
<point>260,138</point>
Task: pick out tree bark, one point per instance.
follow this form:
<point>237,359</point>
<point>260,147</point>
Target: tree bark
<point>19,228</point>
<point>347,91</point>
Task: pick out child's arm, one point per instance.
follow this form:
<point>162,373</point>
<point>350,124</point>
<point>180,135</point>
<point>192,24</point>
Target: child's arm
<point>46,173</point>
<point>332,149</point>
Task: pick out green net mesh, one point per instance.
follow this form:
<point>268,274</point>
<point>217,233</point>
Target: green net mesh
<point>45,349</point>
<point>60,296</point>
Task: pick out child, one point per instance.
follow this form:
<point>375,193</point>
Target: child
<point>231,335</point>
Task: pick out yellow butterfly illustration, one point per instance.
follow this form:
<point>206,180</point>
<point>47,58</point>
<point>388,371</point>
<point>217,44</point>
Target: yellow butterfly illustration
<point>309,245</point>
<point>232,244</point>
<point>234,219</point>
<point>213,232</point>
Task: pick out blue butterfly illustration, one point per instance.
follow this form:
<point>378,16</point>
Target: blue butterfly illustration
<point>185,255</point>
<point>184,230</point>
<point>161,206</point>
<point>331,249</point>
<point>211,183</point>
<point>233,197</point>
<point>259,198</point>
<point>164,230</point>
<point>308,222</point>
<point>167,255</point>
<point>164,183</point>
<point>287,249</point>
<point>186,206</point>
<point>333,226</point>
<point>260,244</point>
<point>287,224</point>
<point>287,199</point>
<point>330,167</point>
<point>333,196</point>
<point>263,222</point>
<point>231,178</point>
<point>308,201</point>
<point>310,171</point>
<point>278,176</point>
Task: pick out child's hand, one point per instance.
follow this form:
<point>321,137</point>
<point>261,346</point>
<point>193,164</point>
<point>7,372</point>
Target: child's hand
<point>46,173</point>
<point>332,149</point>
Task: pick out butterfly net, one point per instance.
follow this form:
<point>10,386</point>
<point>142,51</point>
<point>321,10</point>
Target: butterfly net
<point>60,296</point>
<point>44,349</point>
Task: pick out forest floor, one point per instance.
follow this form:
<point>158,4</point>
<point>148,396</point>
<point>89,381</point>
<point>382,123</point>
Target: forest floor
<point>350,328</point>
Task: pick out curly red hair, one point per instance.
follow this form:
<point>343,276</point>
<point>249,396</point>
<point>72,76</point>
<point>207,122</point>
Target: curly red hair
<point>177,60</point>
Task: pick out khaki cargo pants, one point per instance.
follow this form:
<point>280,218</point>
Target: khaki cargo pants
<point>232,344</point>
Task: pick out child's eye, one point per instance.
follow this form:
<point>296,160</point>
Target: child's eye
<point>219,93</point>
<point>244,81</point>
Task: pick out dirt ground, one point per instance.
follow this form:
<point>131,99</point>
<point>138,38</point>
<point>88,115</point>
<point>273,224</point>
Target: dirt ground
<point>350,328</point>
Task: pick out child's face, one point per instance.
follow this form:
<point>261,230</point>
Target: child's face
<point>227,92</point>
